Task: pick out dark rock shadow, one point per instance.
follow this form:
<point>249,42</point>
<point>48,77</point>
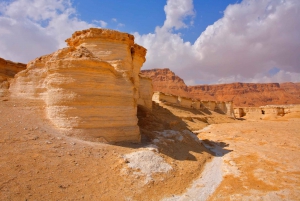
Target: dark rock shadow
<point>219,111</point>
<point>191,110</point>
<point>217,148</point>
<point>174,146</point>
<point>206,111</point>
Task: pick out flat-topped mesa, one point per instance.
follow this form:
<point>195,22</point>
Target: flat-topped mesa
<point>91,88</point>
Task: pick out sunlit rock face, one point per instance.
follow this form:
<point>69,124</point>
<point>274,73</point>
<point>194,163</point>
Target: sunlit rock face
<point>90,88</point>
<point>145,92</point>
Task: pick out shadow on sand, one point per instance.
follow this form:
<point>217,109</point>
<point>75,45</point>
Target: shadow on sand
<point>218,148</point>
<point>160,120</point>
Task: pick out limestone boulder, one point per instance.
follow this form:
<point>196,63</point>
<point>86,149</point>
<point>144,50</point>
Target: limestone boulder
<point>90,88</point>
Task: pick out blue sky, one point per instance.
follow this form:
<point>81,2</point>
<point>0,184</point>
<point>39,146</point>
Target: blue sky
<point>144,16</point>
<point>202,41</point>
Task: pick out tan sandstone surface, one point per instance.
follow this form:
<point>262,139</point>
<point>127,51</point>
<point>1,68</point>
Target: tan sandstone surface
<point>260,159</point>
<point>90,88</point>
<point>39,162</point>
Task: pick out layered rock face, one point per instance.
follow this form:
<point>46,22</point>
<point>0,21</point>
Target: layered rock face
<point>245,94</point>
<point>31,82</point>
<point>166,81</point>
<point>8,69</point>
<point>90,87</point>
<point>241,94</point>
<point>292,88</point>
<point>145,92</point>
<point>267,111</point>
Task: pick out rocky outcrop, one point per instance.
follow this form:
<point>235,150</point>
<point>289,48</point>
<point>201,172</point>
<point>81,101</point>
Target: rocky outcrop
<point>229,109</point>
<point>169,99</point>
<point>90,88</point>
<point>291,88</point>
<point>166,81</point>
<point>8,69</point>
<point>211,105</point>
<point>185,102</point>
<point>267,112</point>
<point>245,94</point>
<point>145,92</point>
<point>241,94</point>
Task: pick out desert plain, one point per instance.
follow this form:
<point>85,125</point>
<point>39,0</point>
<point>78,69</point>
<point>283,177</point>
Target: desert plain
<point>246,159</point>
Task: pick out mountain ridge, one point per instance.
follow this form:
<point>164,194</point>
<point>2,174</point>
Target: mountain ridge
<point>242,94</point>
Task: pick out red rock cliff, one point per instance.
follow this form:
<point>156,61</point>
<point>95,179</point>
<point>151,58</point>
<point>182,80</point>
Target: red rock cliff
<point>242,94</point>
<point>245,94</point>
<point>8,69</point>
<point>166,81</point>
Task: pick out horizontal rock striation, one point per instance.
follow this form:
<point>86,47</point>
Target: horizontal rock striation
<point>145,92</point>
<point>166,81</point>
<point>241,94</point>
<point>91,87</point>
<point>245,94</point>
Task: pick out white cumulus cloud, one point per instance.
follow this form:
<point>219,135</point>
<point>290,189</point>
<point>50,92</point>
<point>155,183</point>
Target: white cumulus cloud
<point>31,28</point>
<point>176,12</point>
<point>250,39</point>
<point>101,22</point>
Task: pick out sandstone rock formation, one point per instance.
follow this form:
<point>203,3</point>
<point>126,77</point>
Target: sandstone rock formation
<point>185,102</point>
<point>245,94</point>
<point>166,81</point>
<point>241,94</point>
<point>196,104</point>
<point>145,92</point>
<point>8,69</point>
<point>90,87</point>
<point>292,88</point>
<point>267,111</point>
<point>211,105</point>
<point>169,99</point>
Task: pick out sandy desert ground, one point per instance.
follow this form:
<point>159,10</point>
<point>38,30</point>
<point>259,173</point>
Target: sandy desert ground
<point>241,160</point>
<point>260,159</point>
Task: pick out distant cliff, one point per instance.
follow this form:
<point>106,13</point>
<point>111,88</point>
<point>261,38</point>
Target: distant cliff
<point>242,94</point>
<point>8,69</point>
<point>246,94</point>
<point>166,81</point>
